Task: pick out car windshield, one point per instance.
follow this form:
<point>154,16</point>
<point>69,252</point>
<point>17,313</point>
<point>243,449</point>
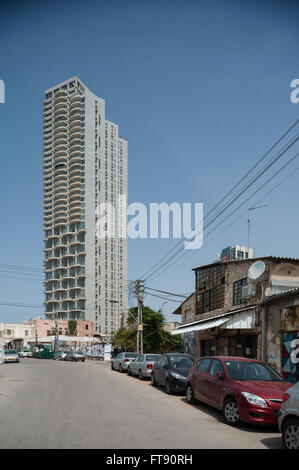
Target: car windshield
<point>243,370</point>
<point>130,355</point>
<point>10,351</point>
<point>180,362</point>
<point>152,357</point>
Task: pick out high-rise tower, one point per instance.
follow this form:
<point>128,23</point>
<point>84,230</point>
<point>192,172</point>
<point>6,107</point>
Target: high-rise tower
<point>85,164</point>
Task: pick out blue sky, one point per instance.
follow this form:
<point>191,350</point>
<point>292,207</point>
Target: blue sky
<point>201,89</point>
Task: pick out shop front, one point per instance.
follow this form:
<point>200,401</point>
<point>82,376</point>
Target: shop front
<point>230,334</point>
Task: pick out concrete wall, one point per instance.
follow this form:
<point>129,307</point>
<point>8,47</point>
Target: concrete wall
<point>282,318</point>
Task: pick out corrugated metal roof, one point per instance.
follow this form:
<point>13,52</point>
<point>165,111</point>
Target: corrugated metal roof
<point>277,258</point>
<point>201,326</point>
<point>283,293</point>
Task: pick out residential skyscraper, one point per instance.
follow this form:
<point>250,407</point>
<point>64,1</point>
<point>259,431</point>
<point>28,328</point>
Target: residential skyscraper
<point>85,165</point>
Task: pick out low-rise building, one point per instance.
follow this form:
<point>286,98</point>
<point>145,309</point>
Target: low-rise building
<point>226,313</point>
<point>47,327</point>
<point>16,335</point>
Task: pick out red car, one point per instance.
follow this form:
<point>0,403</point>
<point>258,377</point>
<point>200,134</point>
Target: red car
<point>244,389</point>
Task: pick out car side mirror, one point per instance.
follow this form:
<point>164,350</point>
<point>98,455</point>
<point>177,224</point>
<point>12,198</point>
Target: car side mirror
<point>220,375</point>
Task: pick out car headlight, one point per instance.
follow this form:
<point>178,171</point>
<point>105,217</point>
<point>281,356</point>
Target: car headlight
<point>254,399</point>
<point>178,376</point>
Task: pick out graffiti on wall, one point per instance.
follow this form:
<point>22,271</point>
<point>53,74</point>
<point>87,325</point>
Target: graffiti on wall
<point>290,356</point>
<point>188,340</point>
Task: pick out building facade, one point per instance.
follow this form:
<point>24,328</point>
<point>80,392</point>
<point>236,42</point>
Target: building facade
<point>228,314</point>
<point>282,333</point>
<point>16,335</point>
<point>47,327</point>
<point>85,167</point>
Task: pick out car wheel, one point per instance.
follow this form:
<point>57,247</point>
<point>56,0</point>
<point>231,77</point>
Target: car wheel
<point>129,371</point>
<point>168,387</point>
<point>120,369</point>
<point>189,394</point>
<point>153,380</point>
<point>112,366</point>
<point>290,434</point>
<point>231,412</point>
<point>140,375</point>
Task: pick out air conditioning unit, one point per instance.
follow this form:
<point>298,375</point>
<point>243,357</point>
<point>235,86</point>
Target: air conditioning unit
<point>248,291</point>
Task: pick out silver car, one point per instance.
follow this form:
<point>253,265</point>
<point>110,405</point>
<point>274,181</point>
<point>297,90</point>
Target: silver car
<point>122,361</point>
<point>11,355</point>
<point>59,355</point>
<point>143,365</point>
<point>74,356</point>
<point>288,418</point>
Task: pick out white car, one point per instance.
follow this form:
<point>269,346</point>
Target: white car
<point>288,418</point>
<point>25,353</point>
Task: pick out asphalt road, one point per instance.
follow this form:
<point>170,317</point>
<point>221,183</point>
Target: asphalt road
<point>50,404</point>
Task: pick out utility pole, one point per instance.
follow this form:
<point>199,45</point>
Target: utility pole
<point>251,209</point>
<point>56,333</point>
<point>139,285</point>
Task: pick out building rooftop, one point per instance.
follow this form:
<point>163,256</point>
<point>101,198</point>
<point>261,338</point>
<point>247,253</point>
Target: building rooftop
<point>273,258</point>
<point>281,294</point>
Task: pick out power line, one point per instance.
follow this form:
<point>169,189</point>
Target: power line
<point>235,220</point>
<point>244,189</point>
<point>8,304</point>
<point>164,298</point>
<point>230,191</point>
<point>26,268</point>
<point>165,292</point>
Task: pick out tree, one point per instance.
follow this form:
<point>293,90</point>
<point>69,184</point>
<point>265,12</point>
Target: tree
<point>155,338</point>
<point>72,325</point>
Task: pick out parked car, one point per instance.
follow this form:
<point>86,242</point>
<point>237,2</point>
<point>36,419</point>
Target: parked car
<point>122,361</point>
<point>59,355</point>
<point>11,355</point>
<point>171,371</point>
<point>288,418</point>
<point>143,365</point>
<point>74,356</point>
<point>25,353</point>
<point>244,389</point>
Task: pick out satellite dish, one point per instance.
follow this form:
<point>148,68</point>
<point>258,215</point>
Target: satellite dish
<point>256,269</point>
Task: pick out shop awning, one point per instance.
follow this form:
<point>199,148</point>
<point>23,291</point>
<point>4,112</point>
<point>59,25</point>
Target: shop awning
<point>201,326</point>
<point>236,319</point>
<point>241,320</point>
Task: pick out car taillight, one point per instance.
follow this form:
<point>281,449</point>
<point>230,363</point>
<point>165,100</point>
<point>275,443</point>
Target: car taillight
<point>127,360</point>
<point>149,366</point>
<point>285,397</point>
